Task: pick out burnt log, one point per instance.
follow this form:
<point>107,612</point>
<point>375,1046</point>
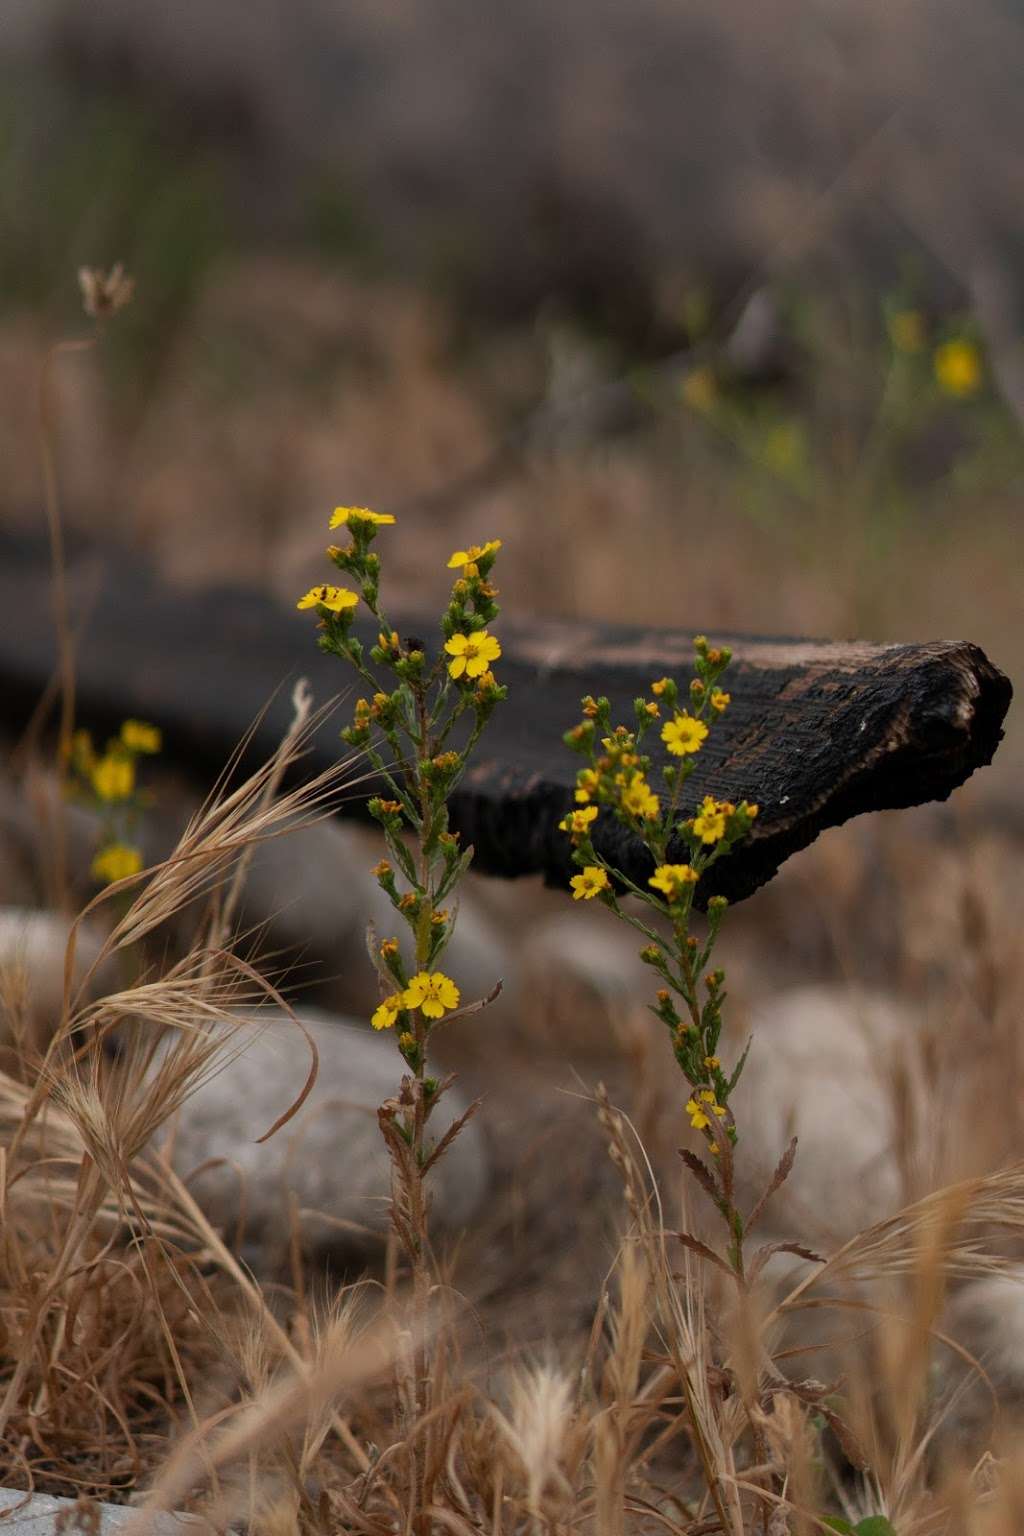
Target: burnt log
<point>817,732</point>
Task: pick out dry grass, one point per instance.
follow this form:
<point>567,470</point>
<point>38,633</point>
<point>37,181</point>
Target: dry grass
<point>145,1362</point>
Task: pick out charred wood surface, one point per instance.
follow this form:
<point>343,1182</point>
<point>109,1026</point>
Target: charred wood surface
<point>817,732</point>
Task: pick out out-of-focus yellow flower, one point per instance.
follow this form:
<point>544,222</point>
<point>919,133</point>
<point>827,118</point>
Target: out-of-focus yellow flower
<point>82,754</point>
<point>116,862</point>
<point>466,559</point>
<point>335,599</point>
<point>345,517</point>
<point>684,734</point>
<point>433,992</point>
<point>589,883</point>
<point>958,368</point>
<point>385,1015</point>
<point>672,879</point>
<point>906,330</point>
<point>700,389</point>
<point>137,736</point>
<point>113,776</point>
<point>586,784</point>
<point>472,654</point>
<point>784,449</point>
<point>720,700</point>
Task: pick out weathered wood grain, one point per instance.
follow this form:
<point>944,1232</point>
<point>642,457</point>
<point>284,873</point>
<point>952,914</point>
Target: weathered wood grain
<point>817,731</point>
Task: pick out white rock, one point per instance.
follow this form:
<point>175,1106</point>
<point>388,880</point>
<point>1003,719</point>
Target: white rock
<point>820,1068</point>
<point>986,1317</point>
<point>32,951</point>
<point>330,1159</point>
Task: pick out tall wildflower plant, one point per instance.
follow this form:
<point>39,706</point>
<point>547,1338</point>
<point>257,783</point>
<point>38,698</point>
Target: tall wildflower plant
<point>689,1000</point>
<point>418,731</point>
<point>106,782</point>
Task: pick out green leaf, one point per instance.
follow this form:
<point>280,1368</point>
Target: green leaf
<point>837,1523</point>
<point>875,1525</point>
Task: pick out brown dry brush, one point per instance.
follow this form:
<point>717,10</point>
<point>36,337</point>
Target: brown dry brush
<point>111,1283</point>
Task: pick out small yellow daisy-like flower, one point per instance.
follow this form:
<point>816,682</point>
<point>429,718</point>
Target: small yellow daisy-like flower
<point>702,1108</point>
<point>335,599</point>
<point>638,799</point>
<point>466,559</point>
<point>590,883</point>
<point>113,777</point>
<point>709,824</point>
<point>684,734</point>
<point>700,389</point>
<point>586,784</point>
<point>712,1062</point>
<point>344,517</point>
<point>137,736</point>
<point>958,368</point>
<point>433,992</point>
<point>578,822</point>
<point>720,700</point>
<point>906,330</point>
<point>673,879</point>
<point>471,654</point>
<point>385,1015</point>
<point>116,862</point>
<point>82,754</point>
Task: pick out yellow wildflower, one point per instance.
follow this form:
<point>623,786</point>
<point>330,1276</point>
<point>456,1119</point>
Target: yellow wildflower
<point>345,517</point>
<point>702,1108</point>
<point>116,862</point>
<point>658,688</point>
<point>653,709</point>
<point>586,784</point>
<point>712,1062</point>
<point>700,389</point>
<point>589,884</point>
<point>906,330</point>
<point>467,558</point>
<point>433,992</point>
<point>137,736</point>
<point>335,599</point>
<point>720,700</point>
<point>638,799</point>
<point>472,654</point>
<point>385,1015</point>
<point>673,879</point>
<point>113,777</point>
<point>578,822</point>
<point>684,734</point>
<point>709,824</point>
<point>958,368</point>
<point>82,755</point>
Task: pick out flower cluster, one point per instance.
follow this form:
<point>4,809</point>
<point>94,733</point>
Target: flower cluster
<point>418,721</point>
<point>618,777</point>
<point>107,782</point>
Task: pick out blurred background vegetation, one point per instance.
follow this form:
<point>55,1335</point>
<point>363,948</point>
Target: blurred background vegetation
<point>710,312</point>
